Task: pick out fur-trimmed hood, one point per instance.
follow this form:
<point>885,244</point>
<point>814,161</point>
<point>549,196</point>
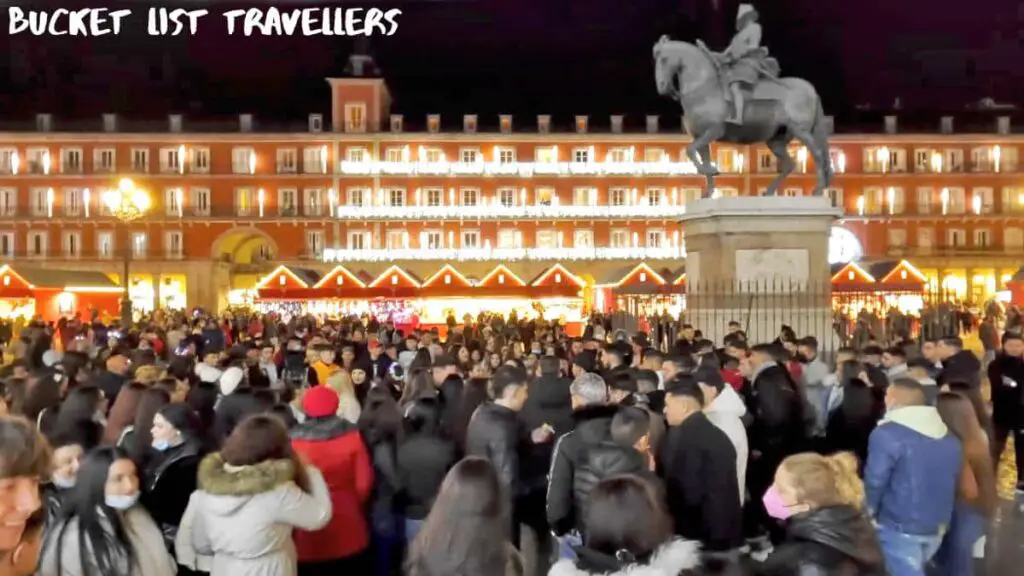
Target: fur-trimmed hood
<point>234,486</point>
<point>671,559</point>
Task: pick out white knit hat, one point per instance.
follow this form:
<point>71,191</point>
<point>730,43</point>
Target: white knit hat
<point>743,10</point>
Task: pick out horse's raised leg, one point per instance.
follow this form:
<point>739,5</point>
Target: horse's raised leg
<point>821,159</point>
<point>699,152</point>
<point>778,145</point>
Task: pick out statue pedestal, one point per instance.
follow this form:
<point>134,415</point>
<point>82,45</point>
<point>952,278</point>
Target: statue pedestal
<point>762,262</point>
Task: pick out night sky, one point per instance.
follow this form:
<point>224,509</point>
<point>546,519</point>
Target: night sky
<point>559,57</point>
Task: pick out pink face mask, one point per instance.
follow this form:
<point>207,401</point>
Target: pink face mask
<point>774,505</point>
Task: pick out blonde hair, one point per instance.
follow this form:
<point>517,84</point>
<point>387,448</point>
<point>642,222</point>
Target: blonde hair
<point>826,480</point>
<point>147,374</point>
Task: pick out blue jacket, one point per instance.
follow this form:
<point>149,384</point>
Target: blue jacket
<point>912,471</point>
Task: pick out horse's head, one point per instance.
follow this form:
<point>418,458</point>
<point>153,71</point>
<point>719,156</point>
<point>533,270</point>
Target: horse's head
<point>672,58</point>
<point>667,64</point>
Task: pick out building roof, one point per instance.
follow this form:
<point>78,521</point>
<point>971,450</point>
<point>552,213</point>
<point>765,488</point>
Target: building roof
<point>307,275</point>
<point>49,278</point>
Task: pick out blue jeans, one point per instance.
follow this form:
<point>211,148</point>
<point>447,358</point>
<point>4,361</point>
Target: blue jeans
<point>956,555</point>
<point>412,528</point>
<point>906,554</point>
<point>565,544</point>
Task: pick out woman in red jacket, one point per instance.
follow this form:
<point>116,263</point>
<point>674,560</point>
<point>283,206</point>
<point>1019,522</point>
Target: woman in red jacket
<point>336,448</point>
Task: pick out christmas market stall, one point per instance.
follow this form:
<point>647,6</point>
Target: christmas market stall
<point>876,290</point>
<point>641,290</point>
<point>425,299</point>
<point>52,294</point>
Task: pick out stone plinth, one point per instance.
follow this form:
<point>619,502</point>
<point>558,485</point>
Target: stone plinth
<point>762,262</point>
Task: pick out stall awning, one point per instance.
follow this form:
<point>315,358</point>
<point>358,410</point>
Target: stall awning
<point>24,279</point>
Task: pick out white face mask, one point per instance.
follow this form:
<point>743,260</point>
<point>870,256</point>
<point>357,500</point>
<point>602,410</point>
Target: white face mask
<point>122,502</point>
<point>63,483</point>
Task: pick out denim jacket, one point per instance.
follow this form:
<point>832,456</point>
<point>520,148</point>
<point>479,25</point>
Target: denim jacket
<point>912,471</point>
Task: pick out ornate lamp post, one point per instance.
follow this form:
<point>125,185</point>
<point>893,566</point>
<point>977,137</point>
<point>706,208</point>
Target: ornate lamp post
<point>127,203</point>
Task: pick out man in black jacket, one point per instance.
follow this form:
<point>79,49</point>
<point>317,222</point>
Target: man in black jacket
<point>449,387</point>
<point>697,462</point>
<point>593,414</point>
<point>963,366</point>
<point>1006,377</point>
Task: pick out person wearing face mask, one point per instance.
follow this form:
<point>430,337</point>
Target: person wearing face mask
<point>169,477</point>
<point>64,462</point>
<point>101,529</point>
<point>819,500</point>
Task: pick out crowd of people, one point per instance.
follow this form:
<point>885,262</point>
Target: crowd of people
<point>311,446</point>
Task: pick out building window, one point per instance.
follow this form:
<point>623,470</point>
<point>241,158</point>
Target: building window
<point>8,202</point>
<point>924,200</point>
<point>174,244</point>
<point>618,196</point>
<point>955,200</point>
<point>245,201</point>
<point>656,238</point>
<point>37,242</point>
<point>358,240</point>
<point>433,239</point>
<point>140,160</point>
<point>506,155</point>
<point>618,155</point>
<point>72,242</point>
<point>71,160</point>
<point>288,201</point>
<point>355,117</point>
<point>200,201</point>
<point>469,155</point>
<point>433,155</point>
<point>7,160</point>
<point>172,201</point>
<point>169,161</point>
<point>314,201</point>
<point>925,239</point>
<point>470,196</point>
<point>619,238</point>
<point>897,237</point>
<point>314,243</point>
<point>955,238</point>
<point>105,244</point>
<point>874,200</point>
<point>357,197</point>
<point>835,196</point>
<point>470,239</point>
<point>434,197</point>
<point>655,196</point>
<point>581,156</point>
<point>547,239</point>
<point>507,197</point>
<point>982,238</point>
<point>104,160</point>
<point>894,200</point>
<point>287,160</point>
<point>313,159</point>
<point>1013,240</point>
<point>72,201</point>
<point>37,160</point>
<point>7,245</point>
<point>140,244</point>
<point>510,238</point>
<point>398,239</point>
<point>654,155</point>
<point>241,160</point>
<point>200,160</point>
<point>837,158</point>
<point>39,203</point>
<point>356,154</point>
<point>396,197</point>
<point>792,192</point>
<point>582,197</point>
<point>766,162</point>
<point>546,196</point>
<point>690,195</point>
<point>983,200</point>
<point>394,155</point>
<point>583,239</point>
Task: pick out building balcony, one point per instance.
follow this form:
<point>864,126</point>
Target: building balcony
<point>522,169</point>
<point>965,251</point>
<point>496,212</point>
<point>500,254</point>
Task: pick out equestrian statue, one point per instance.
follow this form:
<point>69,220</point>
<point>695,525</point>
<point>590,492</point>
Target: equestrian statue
<point>738,96</point>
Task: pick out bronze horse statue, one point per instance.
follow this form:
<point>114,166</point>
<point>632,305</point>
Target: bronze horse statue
<point>778,111</point>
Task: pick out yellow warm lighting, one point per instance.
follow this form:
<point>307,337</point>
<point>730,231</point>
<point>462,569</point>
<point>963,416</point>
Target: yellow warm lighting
<point>94,289</point>
<point>6,270</point>
<point>335,273</point>
<point>559,271</point>
<point>282,269</point>
<point>392,273</point>
<point>65,302</point>
<point>641,268</point>
<point>853,268</point>
<point>680,281</point>
<point>910,268</point>
<point>446,270</point>
<point>181,159</point>
<point>502,273</point>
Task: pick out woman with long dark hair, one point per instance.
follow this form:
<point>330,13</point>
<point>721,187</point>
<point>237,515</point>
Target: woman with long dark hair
<point>252,495</point>
<point>853,411</point>
<point>169,477</point>
<point>381,426</point>
<point>81,415</point>
<point>42,402</point>
<point>466,532</point>
<point>139,443</point>
<point>122,414</point>
<point>976,497</point>
<point>421,385</point>
<point>100,530</point>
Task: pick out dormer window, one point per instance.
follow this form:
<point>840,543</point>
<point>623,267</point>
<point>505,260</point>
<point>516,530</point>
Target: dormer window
<point>396,123</point>
<point>581,124</point>
<point>469,123</point>
<point>505,123</point>
<point>434,123</point>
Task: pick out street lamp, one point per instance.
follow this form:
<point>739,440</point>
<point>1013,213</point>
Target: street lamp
<point>127,203</point>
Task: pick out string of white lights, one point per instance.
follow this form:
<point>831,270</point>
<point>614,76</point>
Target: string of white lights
<point>503,254</point>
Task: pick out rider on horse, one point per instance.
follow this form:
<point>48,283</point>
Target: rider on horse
<point>745,60</point>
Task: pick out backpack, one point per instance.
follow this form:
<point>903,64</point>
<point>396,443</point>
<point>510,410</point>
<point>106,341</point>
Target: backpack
<point>599,462</point>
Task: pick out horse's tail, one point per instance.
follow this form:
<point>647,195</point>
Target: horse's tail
<point>820,134</point>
